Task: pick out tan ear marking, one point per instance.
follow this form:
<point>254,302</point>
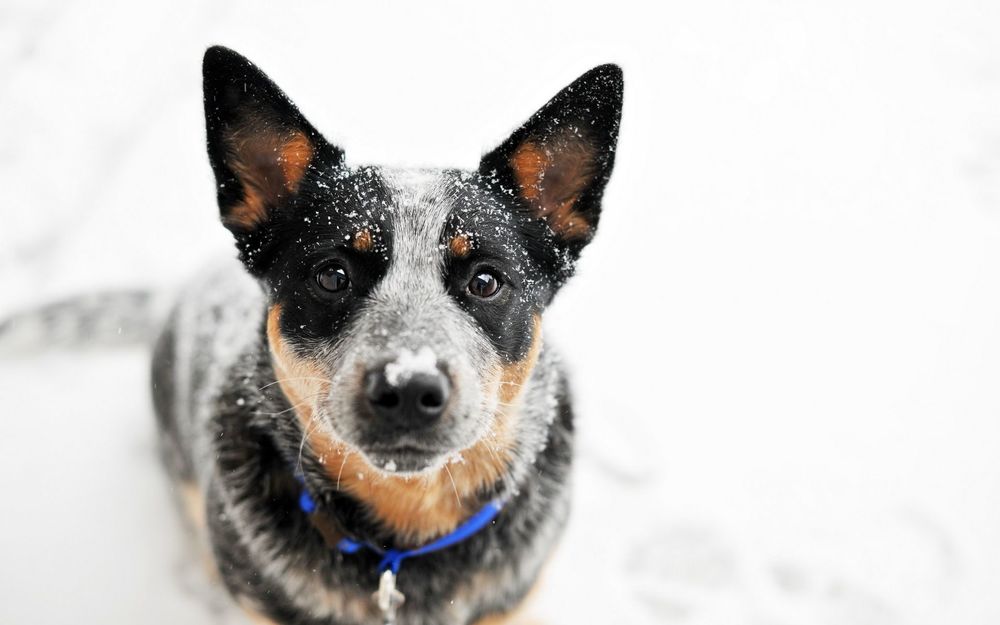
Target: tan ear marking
<point>248,213</point>
<point>552,177</point>
<point>295,156</point>
<point>529,163</point>
<point>269,166</point>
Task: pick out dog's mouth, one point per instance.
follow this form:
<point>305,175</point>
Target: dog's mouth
<point>404,458</point>
<point>390,450</point>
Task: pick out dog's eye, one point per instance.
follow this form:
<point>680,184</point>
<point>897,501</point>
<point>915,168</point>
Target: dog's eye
<point>485,284</point>
<point>332,278</point>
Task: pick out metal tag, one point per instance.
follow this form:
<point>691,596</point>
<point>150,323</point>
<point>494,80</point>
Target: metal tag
<point>387,598</point>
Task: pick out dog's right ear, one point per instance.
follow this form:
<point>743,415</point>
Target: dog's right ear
<point>559,161</point>
<point>259,145</point>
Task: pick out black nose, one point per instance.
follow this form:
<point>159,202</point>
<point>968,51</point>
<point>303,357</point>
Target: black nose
<point>418,400</point>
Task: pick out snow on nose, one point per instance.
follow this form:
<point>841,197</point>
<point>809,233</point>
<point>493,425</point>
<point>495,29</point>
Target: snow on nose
<point>409,363</point>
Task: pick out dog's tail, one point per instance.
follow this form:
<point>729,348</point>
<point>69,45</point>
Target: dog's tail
<point>109,319</point>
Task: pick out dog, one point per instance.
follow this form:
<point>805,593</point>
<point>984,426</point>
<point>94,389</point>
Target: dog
<point>361,413</point>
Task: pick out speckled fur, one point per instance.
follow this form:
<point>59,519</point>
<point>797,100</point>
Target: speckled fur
<point>229,430</point>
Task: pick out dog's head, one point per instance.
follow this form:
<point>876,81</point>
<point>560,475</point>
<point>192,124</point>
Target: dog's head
<point>405,306</point>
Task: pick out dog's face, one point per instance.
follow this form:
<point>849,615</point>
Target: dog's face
<point>405,306</point>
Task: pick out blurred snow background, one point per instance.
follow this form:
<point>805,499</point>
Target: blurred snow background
<point>786,340</point>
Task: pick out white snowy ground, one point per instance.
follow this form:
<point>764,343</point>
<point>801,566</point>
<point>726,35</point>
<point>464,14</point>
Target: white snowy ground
<point>786,340</point>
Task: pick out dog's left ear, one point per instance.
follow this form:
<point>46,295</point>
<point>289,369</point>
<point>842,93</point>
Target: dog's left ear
<point>559,161</point>
<point>259,144</point>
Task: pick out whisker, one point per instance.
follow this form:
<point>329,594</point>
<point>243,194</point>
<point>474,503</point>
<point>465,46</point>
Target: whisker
<point>492,434</point>
<point>291,379</point>
<point>493,453</point>
<point>310,427</point>
<point>313,423</point>
<point>342,463</point>
<point>281,412</point>
<point>453,485</point>
<point>304,401</point>
<point>508,404</point>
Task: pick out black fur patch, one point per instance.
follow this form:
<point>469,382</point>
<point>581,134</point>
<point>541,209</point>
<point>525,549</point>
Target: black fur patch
<point>317,230</point>
<point>508,239</point>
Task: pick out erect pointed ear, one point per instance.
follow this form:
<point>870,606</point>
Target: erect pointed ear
<point>559,161</point>
<point>259,145</point>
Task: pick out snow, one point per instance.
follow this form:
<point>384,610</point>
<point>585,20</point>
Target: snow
<point>785,339</point>
<point>410,363</point>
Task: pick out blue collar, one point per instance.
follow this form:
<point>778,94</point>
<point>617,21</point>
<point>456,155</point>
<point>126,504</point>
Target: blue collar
<point>393,558</point>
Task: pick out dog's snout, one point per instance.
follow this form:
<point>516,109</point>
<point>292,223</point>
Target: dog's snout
<point>418,399</point>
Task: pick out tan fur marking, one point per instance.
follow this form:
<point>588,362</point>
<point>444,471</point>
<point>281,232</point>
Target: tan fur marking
<point>302,381</point>
<point>269,166</point>
<point>568,222</point>
<point>460,245</point>
<point>363,240</point>
<point>552,179</point>
<point>516,617</point>
<point>417,509</point>
<point>529,163</point>
<point>253,614</point>
<point>516,374</point>
<point>248,213</point>
<point>296,154</point>
<point>194,504</point>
